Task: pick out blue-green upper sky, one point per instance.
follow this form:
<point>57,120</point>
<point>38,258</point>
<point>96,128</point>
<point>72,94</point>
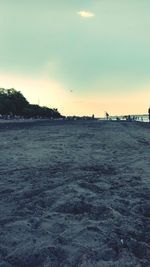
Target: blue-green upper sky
<point>89,46</point>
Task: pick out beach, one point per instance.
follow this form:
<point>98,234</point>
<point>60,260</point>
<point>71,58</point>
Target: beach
<point>75,194</point>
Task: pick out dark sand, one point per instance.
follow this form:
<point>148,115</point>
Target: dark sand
<point>74,194</point>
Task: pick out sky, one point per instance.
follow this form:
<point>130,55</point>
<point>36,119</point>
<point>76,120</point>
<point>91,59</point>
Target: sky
<point>83,57</point>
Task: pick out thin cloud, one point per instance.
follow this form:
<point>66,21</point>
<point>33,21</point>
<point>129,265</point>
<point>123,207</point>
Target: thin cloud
<point>86,14</point>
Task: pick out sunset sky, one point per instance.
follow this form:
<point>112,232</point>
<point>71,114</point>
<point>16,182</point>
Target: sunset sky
<point>82,56</point>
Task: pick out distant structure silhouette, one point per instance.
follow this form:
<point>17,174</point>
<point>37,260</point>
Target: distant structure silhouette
<point>149,114</point>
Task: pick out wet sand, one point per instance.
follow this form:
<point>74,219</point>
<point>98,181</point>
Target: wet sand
<point>74,194</point>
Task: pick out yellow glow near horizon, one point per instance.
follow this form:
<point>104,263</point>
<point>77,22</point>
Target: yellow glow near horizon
<point>52,94</point>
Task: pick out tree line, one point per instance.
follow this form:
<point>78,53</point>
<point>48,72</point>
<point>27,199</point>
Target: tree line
<point>14,104</point>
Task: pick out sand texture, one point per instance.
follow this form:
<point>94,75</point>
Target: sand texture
<point>75,194</point>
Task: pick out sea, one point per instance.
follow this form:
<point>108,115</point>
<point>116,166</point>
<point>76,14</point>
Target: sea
<point>142,118</point>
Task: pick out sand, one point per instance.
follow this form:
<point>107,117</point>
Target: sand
<point>75,194</point>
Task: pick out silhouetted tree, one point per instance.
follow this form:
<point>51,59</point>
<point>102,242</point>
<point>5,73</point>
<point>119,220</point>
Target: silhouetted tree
<point>13,103</point>
<point>19,102</point>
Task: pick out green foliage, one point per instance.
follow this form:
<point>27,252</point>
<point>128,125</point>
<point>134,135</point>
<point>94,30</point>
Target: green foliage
<point>13,103</point>
<point>18,101</point>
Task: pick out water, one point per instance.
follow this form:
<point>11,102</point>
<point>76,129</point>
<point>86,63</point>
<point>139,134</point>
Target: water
<point>143,118</point>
